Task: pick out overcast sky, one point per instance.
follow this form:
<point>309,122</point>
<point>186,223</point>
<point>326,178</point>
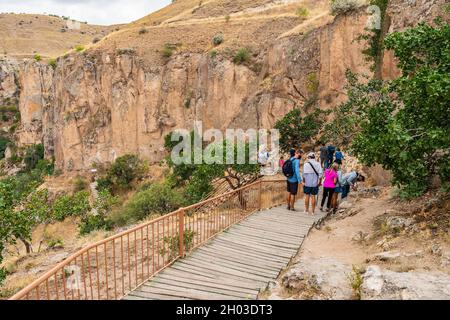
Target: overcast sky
<point>103,12</point>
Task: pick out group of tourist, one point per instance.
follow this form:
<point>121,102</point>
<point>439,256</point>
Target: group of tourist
<point>327,174</point>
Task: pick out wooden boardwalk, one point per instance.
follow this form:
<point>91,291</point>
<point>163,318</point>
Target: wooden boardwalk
<point>238,263</point>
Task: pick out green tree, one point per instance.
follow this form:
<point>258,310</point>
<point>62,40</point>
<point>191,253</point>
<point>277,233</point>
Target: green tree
<point>97,219</point>
<point>296,130</point>
<point>198,179</point>
<point>122,173</point>
<point>404,124</point>
<point>76,205</point>
<point>33,211</point>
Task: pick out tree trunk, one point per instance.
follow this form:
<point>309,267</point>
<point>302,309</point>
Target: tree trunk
<point>28,246</point>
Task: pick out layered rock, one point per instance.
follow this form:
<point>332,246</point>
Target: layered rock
<point>100,105</point>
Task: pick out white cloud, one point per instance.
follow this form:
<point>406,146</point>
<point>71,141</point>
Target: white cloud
<point>104,12</point>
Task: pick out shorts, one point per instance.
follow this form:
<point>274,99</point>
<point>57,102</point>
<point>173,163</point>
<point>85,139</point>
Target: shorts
<point>292,188</point>
<point>314,191</point>
<point>338,190</point>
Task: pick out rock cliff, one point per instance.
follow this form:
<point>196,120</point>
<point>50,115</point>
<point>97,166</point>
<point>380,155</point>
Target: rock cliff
<point>114,99</point>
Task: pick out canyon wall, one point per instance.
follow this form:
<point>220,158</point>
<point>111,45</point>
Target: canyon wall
<point>101,104</point>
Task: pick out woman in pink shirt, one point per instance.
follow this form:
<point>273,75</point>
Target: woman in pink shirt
<point>329,184</point>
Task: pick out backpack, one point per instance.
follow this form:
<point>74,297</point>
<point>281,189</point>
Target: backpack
<point>288,169</point>
<point>331,151</point>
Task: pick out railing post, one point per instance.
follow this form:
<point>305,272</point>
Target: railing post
<point>260,195</point>
<point>181,231</point>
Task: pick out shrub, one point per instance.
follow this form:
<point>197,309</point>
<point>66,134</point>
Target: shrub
<point>4,141</point>
<point>95,40</point>
<point>79,48</point>
<point>76,205</point>
<point>98,219</point>
<point>92,223</point>
<point>79,184</point>
<point>55,243</point>
<point>124,170</point>
<point>167,51</point>
<point>218,39</point>
<point>52,63</point>
<point>33,155</point>
<point>302,12</point>
<point>172,244</point>
<point>142,31</point>
<point>356,281</point>
<point>227,18</point>
<point>242,56</point>
<point>312,83</point>
<point>213,54</point>
<point>37,57</point>
<point>158,198</point>
<point>344,6</point>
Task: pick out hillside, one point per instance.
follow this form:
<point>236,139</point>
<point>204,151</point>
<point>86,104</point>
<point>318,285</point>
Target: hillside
<point>24,35</point>
<point>228,63</point>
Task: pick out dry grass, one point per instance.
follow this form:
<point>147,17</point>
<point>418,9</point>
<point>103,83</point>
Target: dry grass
<point>25,35</point>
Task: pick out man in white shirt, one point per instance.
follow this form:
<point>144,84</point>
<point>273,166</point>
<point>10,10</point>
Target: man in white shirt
<point>312,176</point>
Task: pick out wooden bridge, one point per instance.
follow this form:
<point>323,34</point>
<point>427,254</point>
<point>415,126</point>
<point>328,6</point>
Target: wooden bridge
<point>227,247</point>
<point>237,264</point>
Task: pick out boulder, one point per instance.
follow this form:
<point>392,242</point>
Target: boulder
<point>325,278</point>
<point>381,284</point>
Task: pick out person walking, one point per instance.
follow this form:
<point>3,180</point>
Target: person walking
<point>291,170</point>
<point>338,190</point>
<point>339,156</point>
<point>312,176</point>
<point>330,155</point>
<point>329,184</point>
<point>349,181</point>
<point>323,155</point>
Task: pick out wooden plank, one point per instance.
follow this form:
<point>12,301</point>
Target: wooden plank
<point>298,231</point>
<point>240,248</point>
<point>240,293</point>
<point>258,270</point>
<point>279,253</point>
<point>276,226</point>
<point>211,267</point>
<point>245,259</point>
<point>185,293</point>
<point>230,252</point>
<point>268,233</point>
<point>268,244</point>
<point>280,243</point>
<point>264,235</point>
<point>267,229</point>
<point>142,295</point>
<point>202,271</point>
<point>229,283</point>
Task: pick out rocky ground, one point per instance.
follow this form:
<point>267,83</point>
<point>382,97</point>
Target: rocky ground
<point>375,247</point>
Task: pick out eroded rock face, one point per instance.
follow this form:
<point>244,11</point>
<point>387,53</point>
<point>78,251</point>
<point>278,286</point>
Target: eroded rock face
<point>381,284</point>
<point>100,105</point>
<point>9,86</point>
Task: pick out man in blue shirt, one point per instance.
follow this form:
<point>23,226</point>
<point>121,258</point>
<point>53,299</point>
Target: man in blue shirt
<point>339,156</point>
<point>295,180</point>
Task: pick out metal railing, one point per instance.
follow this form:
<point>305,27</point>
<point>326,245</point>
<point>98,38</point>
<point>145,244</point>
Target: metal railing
<point>115,266</point>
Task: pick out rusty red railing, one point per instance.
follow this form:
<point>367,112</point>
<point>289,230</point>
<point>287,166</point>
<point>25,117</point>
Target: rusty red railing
<point>115,266</point>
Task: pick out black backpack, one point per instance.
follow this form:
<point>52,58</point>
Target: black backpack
<point>288,169</point>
